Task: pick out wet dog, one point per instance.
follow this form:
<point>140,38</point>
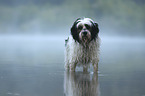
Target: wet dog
<point>82,46</point>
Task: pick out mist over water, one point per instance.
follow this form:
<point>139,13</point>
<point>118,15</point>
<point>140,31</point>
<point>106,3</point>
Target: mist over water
<point>30,48</point>
<point>34,65</point>
<point>32,37</point>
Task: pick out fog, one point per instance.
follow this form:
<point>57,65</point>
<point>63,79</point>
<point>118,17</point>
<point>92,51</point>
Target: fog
<point>32,37</point>
<point>34,65</point>
<point>56,17</point>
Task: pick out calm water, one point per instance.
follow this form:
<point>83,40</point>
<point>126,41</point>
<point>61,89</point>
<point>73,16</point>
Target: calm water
<point>33,66</point>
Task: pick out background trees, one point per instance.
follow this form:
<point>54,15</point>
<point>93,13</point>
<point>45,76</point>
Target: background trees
<point>41,16</point>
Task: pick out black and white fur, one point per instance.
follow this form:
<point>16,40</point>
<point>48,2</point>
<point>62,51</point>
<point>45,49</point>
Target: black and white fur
<point>82,46</point>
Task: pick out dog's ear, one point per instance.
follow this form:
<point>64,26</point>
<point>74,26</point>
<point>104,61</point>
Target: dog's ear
<point>95,30</point>
<point>74,32</point>
<point>74,25</point>
<point>96,27</point>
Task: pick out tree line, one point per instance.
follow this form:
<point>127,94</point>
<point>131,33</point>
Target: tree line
<point>31,16</point>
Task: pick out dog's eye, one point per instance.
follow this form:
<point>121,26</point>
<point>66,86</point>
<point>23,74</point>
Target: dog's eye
<point>80,27</point>
<point>87,26</point>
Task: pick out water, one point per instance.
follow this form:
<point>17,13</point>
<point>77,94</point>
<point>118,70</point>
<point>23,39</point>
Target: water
<point>34,66</point>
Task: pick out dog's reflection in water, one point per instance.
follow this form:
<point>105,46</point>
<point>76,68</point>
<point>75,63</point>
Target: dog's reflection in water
<point>81,84</point>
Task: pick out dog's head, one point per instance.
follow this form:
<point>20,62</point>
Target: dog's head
<point>84,30</point>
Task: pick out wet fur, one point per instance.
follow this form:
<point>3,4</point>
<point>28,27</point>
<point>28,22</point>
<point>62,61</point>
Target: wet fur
<point>80,54</point>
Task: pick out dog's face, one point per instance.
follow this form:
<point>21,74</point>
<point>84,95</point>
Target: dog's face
<point>84,30</point>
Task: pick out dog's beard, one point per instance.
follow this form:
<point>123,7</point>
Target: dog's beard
<point>85,39</point>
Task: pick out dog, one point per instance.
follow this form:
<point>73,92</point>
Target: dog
<point>82,46</point>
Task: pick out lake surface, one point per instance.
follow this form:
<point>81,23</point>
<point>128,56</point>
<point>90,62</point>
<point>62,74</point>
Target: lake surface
<point>34,66</point>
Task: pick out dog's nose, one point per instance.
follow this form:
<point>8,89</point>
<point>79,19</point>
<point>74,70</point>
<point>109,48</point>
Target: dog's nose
<point>85,33</point>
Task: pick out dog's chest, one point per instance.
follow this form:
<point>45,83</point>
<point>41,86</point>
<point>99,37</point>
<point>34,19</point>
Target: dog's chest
<point>84,54</point>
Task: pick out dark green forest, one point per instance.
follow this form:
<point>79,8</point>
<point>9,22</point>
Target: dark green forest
<point>125,17</point>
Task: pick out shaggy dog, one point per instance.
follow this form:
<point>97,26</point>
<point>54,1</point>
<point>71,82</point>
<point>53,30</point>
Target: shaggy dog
<point>82,46</point>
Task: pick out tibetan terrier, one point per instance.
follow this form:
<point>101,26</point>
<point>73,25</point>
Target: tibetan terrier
<point>82,46</point>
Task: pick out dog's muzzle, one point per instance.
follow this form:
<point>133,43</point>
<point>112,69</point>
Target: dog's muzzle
<point>85,33</point>
<point>85,36</point>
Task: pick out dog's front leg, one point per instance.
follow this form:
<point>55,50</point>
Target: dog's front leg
<point>95,65</point>
<point>67,66</point>
<point>73,66</point>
